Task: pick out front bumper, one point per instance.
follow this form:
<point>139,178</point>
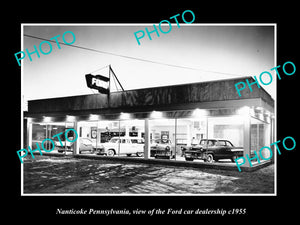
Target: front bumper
<point>159,152</point>
<point>100,151</point>
<point>193,155</point>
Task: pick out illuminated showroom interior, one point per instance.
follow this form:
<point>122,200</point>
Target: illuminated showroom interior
<point>182,114</point>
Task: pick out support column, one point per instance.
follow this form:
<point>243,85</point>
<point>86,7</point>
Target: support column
<point>247,139</point>
<point>29,135</point>
<point>127,130</point>
<point>272,137</point>
<point>147,140</point>
<point>175,141</point>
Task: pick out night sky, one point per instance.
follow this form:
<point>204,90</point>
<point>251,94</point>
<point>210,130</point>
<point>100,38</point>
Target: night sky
<point>211,51</point>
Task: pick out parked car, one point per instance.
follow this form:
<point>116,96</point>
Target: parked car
<point>122,145</point>
<point>85,144</point>
<point>66,146</point>
<point>213,149</point>
<point>161,148</point>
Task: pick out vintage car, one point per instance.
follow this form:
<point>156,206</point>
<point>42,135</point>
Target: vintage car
<point>213,149</point>
<point>161,148</point>
<point>85,145</point>
<point>121,146</point>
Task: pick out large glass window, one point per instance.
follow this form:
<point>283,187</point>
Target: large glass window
<point>162,138</point>
<point>132,143</point>
<point>121,138</point>
<point>189,132</point>
<point>215,134</point>
<point>41,131</point>
<point>99,137</point>
<point>227,128</point>
<point>88,137</point>
<point>260,136</point>
<point>227,138</point>
<point>216,131</point>
<point>210,138</point>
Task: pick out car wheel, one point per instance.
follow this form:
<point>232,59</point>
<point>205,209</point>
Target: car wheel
<point>139,154</point>
<point>110,152</point>
<point>189,159</point>
<point>209,158</point>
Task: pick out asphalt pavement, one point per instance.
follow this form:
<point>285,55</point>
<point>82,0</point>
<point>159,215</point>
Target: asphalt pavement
<point>69,175</point>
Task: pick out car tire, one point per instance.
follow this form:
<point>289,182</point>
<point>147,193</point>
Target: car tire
<point>189,159</point>
<point>139,154</point>
<point>111,152</point>
<point>209,158</point>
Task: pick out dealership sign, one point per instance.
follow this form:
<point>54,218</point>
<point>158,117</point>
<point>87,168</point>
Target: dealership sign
<point>98,82</point>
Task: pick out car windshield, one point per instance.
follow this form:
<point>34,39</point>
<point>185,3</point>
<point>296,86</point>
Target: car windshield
<point>161,141</point>
<point>86,141</point>
<point>229,143</point>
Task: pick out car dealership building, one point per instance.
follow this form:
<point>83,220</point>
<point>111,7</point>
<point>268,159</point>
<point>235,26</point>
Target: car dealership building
<point>184,114</point>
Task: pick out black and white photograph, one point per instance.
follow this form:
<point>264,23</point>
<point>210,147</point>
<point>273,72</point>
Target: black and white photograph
<point>146,111</point>
<point>177,114</point>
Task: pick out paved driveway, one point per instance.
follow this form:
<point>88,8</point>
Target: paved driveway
<point>81,176</point>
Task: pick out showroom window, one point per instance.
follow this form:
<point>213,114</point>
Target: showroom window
<point>228,128</point>
<point>88,137</point>
<point>260,136</point>
<point>189,132</point>
<point>162,138</point>
<point>41,131</point>
<point>171,133</point>
<point>132,143</point>
<point>95,133</point>
<point>112,137</point>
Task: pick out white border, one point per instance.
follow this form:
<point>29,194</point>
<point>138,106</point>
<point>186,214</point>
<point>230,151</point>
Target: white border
<point>150,24</point>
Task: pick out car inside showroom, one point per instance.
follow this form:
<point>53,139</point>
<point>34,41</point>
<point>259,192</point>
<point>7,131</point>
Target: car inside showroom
<point>206,122</point>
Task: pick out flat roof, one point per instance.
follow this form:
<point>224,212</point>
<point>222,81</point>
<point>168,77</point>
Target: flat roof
<point>210,94</point>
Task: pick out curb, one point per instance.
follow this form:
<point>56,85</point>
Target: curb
<point>166,162</point>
